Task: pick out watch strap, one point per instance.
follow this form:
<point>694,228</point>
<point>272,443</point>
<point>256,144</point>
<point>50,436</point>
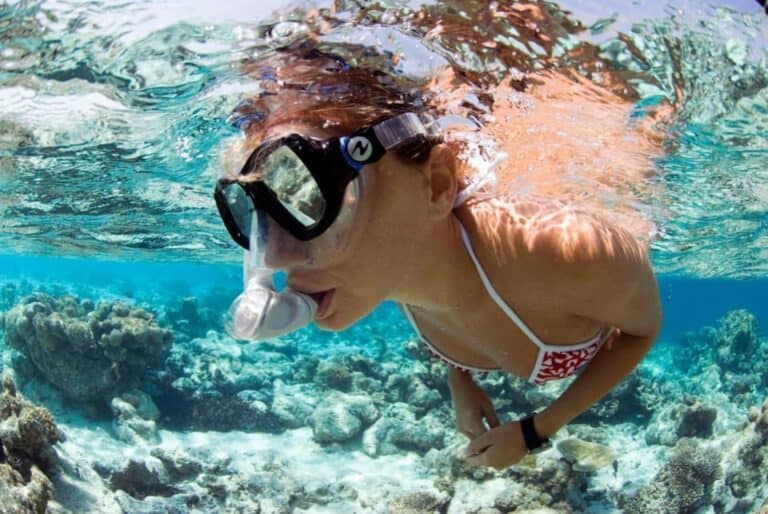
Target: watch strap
<point>532,439</point>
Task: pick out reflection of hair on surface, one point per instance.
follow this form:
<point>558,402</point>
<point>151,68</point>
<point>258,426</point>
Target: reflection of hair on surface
<point>550,102</point>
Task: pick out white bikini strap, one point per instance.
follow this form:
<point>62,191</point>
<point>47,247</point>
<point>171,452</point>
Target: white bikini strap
<point>496,298</point>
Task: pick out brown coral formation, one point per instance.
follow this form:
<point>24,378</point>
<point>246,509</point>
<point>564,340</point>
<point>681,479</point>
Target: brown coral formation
<point>107,346</point>
<point>27,433</point>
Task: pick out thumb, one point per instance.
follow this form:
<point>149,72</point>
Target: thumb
<point>490,415</point>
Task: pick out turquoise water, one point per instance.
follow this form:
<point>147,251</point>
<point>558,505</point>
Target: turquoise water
<point>111,120</point>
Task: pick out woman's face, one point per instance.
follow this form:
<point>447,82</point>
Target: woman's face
<point>363,256</point>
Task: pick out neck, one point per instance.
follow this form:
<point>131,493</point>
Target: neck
<point>440,277</point>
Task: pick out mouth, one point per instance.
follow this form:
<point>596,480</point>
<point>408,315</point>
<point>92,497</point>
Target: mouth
<point>318,297</point>
<point>324,300</point>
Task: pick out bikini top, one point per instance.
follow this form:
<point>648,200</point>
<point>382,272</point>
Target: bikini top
<point>554,362</point>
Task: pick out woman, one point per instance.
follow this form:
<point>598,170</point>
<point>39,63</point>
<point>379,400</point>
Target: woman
<point>357,189</point>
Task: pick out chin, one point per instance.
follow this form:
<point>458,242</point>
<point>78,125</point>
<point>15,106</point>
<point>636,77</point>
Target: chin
<point>342,318</point>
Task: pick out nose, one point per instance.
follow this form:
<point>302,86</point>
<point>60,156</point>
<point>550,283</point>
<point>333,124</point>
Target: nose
<point>283,251</point>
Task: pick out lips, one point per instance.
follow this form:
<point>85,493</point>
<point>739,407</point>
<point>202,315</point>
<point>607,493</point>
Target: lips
<point>323,298</point>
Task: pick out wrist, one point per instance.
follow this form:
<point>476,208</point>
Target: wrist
<point>534,441</point>
<point>546,425</point>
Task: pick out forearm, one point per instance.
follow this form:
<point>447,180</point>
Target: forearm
<point>607,369</point>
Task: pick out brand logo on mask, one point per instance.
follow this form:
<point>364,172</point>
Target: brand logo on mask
<point>359,148</point>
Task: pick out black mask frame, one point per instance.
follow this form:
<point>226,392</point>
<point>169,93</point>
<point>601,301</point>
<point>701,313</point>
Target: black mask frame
<point>333,163</point>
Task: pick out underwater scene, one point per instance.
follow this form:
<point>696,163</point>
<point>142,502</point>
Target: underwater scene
<point>125,388</point>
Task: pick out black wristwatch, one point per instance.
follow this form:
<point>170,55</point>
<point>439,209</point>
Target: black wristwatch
<point>532,440</point>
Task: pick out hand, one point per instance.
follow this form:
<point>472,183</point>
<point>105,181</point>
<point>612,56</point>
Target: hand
<point>471,404</point>
<point>498,448</point>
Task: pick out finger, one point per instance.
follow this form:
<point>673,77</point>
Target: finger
<point>490,415</point>
<point>479,444</point>
<point>480,459</point>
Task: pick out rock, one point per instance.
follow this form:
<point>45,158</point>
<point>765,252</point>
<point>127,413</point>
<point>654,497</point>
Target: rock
<point>342,417</point>
<point>398,429</point>
<point>179,465</point>
<point>130,505</point>
<point>517,497</point>
<point>421,397</point>
<point>141,479</point>
<point>333,375</point>
<point>135,418</point>
<point>586,456</point>
<point>293,405</point>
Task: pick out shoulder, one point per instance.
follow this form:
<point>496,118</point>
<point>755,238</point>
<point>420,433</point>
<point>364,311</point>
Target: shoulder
<point>549,254</point>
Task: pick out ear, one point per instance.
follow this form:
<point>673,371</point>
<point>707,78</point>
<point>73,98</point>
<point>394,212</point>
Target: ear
<point>440,172</point>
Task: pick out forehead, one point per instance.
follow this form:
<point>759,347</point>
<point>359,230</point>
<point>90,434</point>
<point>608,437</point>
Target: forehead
<point>303,129</point>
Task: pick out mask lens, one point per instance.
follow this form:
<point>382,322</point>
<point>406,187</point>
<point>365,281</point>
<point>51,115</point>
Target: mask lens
<point>240,207</point>
<point>294,186</point>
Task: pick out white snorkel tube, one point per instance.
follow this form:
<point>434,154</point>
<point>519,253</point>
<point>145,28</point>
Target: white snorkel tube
<point>260,312</point>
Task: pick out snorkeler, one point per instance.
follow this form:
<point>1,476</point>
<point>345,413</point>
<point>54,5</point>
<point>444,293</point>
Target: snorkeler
<point>349,185</point>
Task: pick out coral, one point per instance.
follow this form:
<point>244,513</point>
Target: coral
<point>18,496</point>
<point>696,419</point>
<point>189,319</point>
<point>27,433</point>
<point>689,417</point>
<point>633,400</point>
<point>217,384</point>
<point>745,478</point>
<point>586,456</point>
<point>417,502</point>
<point>683,485</point>
<point>108,347</point>
<point>558,486</point>
<point>737,340</point>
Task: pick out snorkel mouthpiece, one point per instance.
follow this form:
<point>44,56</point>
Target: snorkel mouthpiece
<point>260,312</point>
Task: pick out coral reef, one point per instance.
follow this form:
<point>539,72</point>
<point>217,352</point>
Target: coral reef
<point>109,346</point>
<point>730,355</point>
<point>683,485</point>
<point>746,474</point>
<point>691,417</point>
<point>27,436</point>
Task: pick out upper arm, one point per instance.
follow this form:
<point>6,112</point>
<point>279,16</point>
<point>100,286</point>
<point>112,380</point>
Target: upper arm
<point>598,271</point>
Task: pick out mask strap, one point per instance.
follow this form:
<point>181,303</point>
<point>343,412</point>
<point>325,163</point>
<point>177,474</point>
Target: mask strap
<point>395,130</point>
